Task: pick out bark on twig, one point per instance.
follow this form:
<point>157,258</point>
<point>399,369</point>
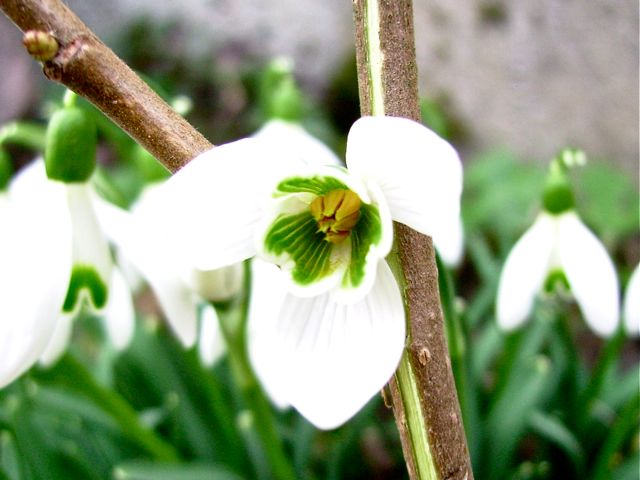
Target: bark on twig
<point>429,355</point>
<point>88,67</point>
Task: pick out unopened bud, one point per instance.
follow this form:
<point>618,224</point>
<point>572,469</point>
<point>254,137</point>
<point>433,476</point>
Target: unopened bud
<point>41,45</point>
<point>70,151</point>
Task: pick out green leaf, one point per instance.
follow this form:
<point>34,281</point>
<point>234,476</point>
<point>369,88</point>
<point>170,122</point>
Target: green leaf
<point>509,417</point>
<point>139,470</point>
<point>552,428</point>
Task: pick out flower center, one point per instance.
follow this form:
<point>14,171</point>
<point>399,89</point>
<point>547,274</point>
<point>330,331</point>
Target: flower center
<point>336,213</point>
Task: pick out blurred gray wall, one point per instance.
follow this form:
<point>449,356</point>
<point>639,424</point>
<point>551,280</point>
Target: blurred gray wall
<point>533,76</point>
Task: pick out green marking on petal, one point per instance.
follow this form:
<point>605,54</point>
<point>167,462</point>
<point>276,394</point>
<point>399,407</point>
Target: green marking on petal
<point>298,237</point>
<point>317,185</point>
<point>366,233</point>
<point>85,277</point>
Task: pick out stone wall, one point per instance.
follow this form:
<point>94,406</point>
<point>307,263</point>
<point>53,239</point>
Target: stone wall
<point>533,76</point>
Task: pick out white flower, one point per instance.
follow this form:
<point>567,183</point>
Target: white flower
<point>338,333</point>
<point>183,291</point>
<point>68,233</point>
<point>559,242</point>
<point>632,304</point>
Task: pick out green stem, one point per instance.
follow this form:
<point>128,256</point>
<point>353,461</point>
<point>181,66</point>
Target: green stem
<point>253,396</point>
<point>74,374</point>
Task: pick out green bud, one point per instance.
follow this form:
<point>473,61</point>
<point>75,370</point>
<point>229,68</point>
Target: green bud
<point>70,151</point>
<point>281,97</point>
<point>6,169</point>
<point>557,196</point>
<point>152,170</point>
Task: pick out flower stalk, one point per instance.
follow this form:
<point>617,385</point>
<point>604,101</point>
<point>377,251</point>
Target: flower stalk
<point>423,390</point>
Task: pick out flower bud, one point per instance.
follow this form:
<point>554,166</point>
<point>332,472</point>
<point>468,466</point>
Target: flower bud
<point>70,151</point>
<point>281,97</point>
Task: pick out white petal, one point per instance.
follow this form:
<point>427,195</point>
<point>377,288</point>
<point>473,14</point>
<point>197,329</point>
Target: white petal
<point>35,254</point>
<point>632,304</point>
<point>119,314</point>
<point>295,138</point>
<point>419,173</point>
<point>90,246</point>
<point>331,358</point>
<point>152,257</point>
<point>591,274</point>
<point>524,272</point>
<point>209,209</point>
<point>59,340</point>
<point>450,242</point>
<point>218,285</point>
<point>211,344</point>
<point>268,291</point>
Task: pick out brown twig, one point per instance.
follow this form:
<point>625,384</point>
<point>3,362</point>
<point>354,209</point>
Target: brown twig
<point>427,347</point>
<point>88,67</point>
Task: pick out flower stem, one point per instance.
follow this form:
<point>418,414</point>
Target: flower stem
<point>423,390</point>
<point>262,420</point>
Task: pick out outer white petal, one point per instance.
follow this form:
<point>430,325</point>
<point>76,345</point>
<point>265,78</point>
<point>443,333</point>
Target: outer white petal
<point>591,274</point>
<point>154,259</point>
<point>449,242</point>
<point>295,138</point>
<point>333,358</point>
<point>268,291</point>
<point>209,209</point>
<point>211,344</point>
<point>419,173</point>
<point>632,304</point>
<point>35,254</point>
<point>59,340</point>
<point>524,272</point>
<point>119,314</point>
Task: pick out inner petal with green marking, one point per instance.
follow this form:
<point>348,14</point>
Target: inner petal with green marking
<point>84,278</point>
<point>332,236</point>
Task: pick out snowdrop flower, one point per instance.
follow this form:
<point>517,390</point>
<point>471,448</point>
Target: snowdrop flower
<point>93,282</point>
<point>338,332</point>
<point>558,242</point>
<point>184,292</point>
<point>632,304</point>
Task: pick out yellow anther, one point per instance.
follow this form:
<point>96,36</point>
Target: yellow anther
<point>337,213</point>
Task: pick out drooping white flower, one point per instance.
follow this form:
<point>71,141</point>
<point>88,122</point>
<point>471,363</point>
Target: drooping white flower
<point>559,242</point>
<point>329,229</point>
<point>632,304</point>
<point>92,282</point>
<point>183,291</point>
